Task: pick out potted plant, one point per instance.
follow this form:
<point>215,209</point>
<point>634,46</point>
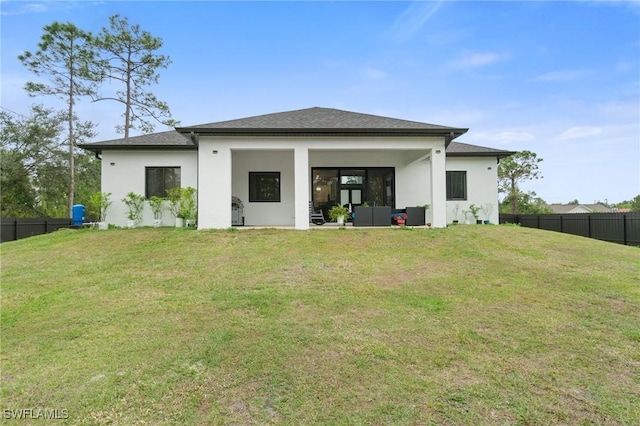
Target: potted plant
<point>399,218</point>
<point>456,209</point>
<point>135,205</point>
<point>338,213</point>
<point>99,203</point>
<point>426,214</point>
<point>465,214</point>
<point>175,195</point>
<point>157,205</point>
<point>487,209</point>
<point>188,205</point>
<point>473,209</point>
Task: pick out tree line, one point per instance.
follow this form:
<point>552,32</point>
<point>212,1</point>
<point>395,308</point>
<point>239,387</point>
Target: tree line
<point>42,174</point>
<point>523,166</point>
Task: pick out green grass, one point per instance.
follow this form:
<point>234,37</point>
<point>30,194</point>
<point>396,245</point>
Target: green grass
<point>468,325</point>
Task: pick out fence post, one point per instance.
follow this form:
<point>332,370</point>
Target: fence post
<point>561,224</point>
<point>624,228</point>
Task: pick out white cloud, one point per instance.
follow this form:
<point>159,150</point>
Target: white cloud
<point>505,137</point>
<point>579,132</point>
<point>24,8</point>
<point>35,8</point>
<point>10,8</point>
<point>633,6</point>
<point>475,60</point>
<point>561,76</point>
<point>620,111</point>
<point>412,19</point>
<point>375,74</point>
<point>466,118</point>
<point>625,66</point>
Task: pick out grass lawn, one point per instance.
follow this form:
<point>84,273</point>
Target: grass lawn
<point>468,325</point>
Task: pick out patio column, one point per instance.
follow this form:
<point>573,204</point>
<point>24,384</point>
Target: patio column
<point>438,188</point>
<point>214,185</point>
<point>301,187</point>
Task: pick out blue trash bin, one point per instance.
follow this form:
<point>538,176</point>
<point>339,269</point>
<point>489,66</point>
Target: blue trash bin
<point>77,215</point>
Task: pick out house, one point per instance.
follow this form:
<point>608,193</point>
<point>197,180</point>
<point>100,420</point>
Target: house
<point>277,163</point>
<point>579,208</point>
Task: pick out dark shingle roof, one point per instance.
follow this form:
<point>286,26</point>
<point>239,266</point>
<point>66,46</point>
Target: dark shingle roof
<point>319,119</point>
<point>162,140</point>
<point>305,121</point>
<point>459,149</point>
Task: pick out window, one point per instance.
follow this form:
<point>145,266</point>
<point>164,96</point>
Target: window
<point>159,180</point>
<point>264,187</point>
<point>456,185</point>
<point>372,185</point>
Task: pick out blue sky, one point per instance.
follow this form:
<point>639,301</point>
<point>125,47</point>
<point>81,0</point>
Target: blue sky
<point>561,79</point>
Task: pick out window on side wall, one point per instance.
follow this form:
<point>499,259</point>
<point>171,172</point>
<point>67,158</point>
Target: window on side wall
<point>264,187</point>
<point>456,185</point>
<point>159,180</point>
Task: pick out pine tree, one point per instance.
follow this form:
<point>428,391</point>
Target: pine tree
<point>66,58</point>
<point>128,57</point>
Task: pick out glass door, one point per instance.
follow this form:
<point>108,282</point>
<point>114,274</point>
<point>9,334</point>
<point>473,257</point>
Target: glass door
<point>333,185</point>
<point>380,186</point>
<point>326,188</point>
<point>352,186</point>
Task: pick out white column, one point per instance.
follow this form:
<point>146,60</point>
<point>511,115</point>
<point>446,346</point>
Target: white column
<point>301,187</point>
<point>214,185</point>
<point>438,188</point>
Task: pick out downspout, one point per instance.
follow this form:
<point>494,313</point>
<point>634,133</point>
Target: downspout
<point>195,140</point>
<point>447,139</point>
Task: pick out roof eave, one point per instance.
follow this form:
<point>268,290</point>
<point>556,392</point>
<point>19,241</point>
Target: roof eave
<point>98,148</point>
<point>446,132</point>
<point>499,155</point>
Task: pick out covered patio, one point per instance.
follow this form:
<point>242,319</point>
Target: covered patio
<point>276,185</point>
<point>277,163</point>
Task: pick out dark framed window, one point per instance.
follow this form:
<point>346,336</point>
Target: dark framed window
<point>264,187</point>
<point>159,180</point>
<point>456,185</point>
<point>352,185</point>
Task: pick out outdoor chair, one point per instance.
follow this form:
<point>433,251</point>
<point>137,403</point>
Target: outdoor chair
<point>316,216</point>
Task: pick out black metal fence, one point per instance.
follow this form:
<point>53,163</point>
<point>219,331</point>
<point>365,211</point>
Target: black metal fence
<point>15,229</point>
<point>622,228</point>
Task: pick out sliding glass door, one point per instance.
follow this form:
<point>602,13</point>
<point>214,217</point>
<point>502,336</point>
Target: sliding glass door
<point>372,185</point>
<point>380,187</point>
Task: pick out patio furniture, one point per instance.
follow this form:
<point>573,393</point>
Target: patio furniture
<point>316,216</point>
<point>372,216</point>
<point>415,216</point>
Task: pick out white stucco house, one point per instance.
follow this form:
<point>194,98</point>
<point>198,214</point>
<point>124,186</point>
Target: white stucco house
<point>277,163</point>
